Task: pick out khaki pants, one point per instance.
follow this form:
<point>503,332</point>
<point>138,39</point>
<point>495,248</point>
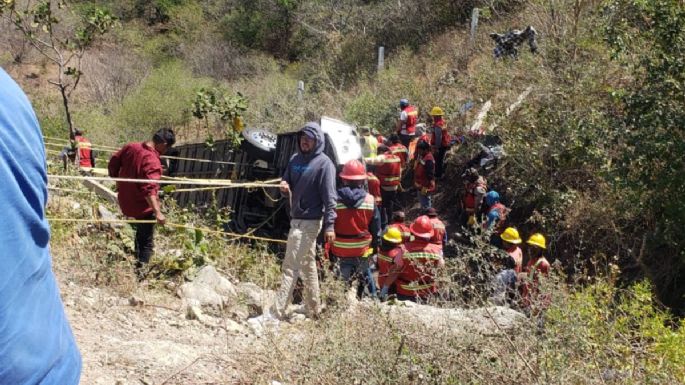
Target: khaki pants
<point>300,261</point>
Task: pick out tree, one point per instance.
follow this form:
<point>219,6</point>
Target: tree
<point>42,25</point>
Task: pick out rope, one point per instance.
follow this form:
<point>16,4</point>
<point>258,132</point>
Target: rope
<point>195,182</point>
<point>174,225</point>
<point>70,190</point>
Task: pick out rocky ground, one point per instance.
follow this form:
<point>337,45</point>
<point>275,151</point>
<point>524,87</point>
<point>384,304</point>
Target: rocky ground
<point>203,334</point>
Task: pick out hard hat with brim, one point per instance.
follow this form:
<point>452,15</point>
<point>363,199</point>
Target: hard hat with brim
<point>437,111</point>
<point>538,240</point>
<point>353,170</point>
<point>511,235</point>
<point>422,227</point>
<point>393,235</point>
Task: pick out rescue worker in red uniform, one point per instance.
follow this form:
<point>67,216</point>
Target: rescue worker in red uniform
<point>80,152</point>
<point>391,249</point>
<point>397,148</point>
<point>398,222</point>
<point>424,174</point>
<point>440,235</point>
<point>374,185</point>
<point>510,241</point>
<point>416,270</point>
<point>536,266</point>
<point>389,171</point>
<point>496,215</point>
<point>356,227</point>
<point>475,188</point>
<point>406,124</point>
<point>440,140</point>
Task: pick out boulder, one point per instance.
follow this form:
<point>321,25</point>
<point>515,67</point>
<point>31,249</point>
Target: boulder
<point>208,291</point>
<point>254,297</point>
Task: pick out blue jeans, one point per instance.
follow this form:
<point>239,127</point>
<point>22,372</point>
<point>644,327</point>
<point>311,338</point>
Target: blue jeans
<point>425,200</point>
<point>350,268</point>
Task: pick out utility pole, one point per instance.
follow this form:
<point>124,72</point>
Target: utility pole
<point>381,58</point>
<point>474,25</point>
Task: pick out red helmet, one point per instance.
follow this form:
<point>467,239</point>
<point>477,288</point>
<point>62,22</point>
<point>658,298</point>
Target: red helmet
<point>422,227</point>
<point>353,170</point>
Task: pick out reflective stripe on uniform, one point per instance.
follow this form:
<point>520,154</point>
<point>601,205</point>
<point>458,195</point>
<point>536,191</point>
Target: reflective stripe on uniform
<point>421,254</point>
<point>364,206</point>
<point>351,245</point>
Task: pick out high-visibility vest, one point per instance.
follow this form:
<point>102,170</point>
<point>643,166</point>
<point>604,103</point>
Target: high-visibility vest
<point>385,261</point>
<point>412,118</point>
<point>420,175</point>
<point>439,232</point>
<point>83,146</point>
<point>404,230</point>
<point>401,151</point>
<point>417,278</point>
<point>390,170</point>
<point>352,237</point>
<point>470,197</point>
<point>374,188</point>
<point>370,146</point>
<point>445,140</point>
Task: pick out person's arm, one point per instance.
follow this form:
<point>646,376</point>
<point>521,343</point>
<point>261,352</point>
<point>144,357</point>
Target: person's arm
<point>329,197</point>
<point>395,270</point>
<point>114,164</point>
<point>375,227</point>
<point>152,170</point>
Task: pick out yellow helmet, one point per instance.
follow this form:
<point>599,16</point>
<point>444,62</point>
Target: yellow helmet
<point>538,240</point>
<point>511,235</point>
<point>393,235</point>
<point>437,111</point>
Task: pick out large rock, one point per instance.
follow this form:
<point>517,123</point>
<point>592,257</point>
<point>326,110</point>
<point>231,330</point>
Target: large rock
<point>254,297</point>
<point>209,291</point>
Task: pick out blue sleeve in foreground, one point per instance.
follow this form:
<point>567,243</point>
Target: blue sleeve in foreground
<point>36,342</point>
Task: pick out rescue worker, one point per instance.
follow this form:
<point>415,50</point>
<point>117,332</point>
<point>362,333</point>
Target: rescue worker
<point>440,234</point>
<point>357,226</point>
<point>475,188</point>
<point>140,200</point>
<point>415,272</point>
<point>389,171</point>
<point>510,241</point>
<point>496,213</point>
<point>397,148</point>
<point>440,140</point>
<point>398,222</point>
<point>406,124</point>
<point>390,250</point>
<point>504,283</point>
<point>424,174</point>
<point>80,152</point>
<point>535,267</point>
<point>374,185</point>
<point>368,142</point>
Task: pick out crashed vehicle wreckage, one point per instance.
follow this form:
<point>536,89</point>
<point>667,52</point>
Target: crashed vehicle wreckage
<point>261,156</point>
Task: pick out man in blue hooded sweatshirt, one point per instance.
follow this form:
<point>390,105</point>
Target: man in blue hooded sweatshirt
<point>309,184</point>
<point>36,343</point>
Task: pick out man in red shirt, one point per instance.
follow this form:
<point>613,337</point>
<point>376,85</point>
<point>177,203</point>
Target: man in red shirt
<point>140,200</point>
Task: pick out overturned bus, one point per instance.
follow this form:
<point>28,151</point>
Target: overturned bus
<point>262,156</point>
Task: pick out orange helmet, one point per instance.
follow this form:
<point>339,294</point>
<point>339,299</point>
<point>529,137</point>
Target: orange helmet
<point>422,227</point>
<point>353,170</point>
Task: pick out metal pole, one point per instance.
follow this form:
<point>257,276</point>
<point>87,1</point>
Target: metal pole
<point>381,58</point>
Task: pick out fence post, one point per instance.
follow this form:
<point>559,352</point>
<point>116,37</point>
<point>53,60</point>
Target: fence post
<point>474,25</point>
<point>381,58</point>
<point>300,89</point>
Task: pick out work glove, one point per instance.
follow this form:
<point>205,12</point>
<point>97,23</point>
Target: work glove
<point>472,220</point>
<point>424,191</point>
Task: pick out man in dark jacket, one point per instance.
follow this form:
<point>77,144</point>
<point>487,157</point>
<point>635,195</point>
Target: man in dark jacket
<point>309,185</point>
<point>140,200</point>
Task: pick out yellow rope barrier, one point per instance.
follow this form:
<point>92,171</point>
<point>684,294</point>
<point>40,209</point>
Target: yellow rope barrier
<point>174,225</point>
<point>225,183</point>
<point>70,190</point>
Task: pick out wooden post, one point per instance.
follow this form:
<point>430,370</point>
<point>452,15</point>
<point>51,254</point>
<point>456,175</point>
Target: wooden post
<point>474,25</point>
<point>300,90</point>
<point>381,58</point>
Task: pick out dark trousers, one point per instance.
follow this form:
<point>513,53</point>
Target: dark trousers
<point>405,139</point>
<point>145,241</point>
<point>351,268</point>
<point>440,162</point>
<point>389,203</point>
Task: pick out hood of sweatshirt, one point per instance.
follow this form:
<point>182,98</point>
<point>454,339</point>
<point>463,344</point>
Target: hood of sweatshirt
<point>351,197</point>
<point>314,130</point>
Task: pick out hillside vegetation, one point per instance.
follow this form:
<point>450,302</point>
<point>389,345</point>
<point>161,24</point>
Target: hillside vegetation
<point>596,152</point>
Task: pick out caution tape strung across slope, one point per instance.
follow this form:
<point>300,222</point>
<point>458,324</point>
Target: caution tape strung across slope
<point>174,225</point>
<point>224,183</point>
